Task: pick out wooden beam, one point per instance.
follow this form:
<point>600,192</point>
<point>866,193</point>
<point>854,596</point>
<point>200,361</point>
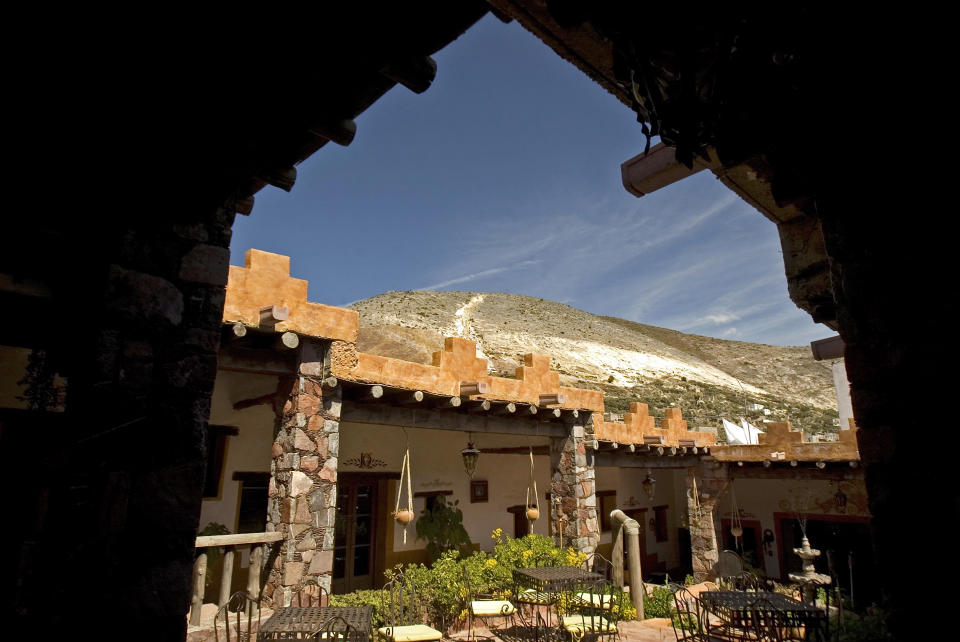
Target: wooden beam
<point>271,315</point>
<point>445,402</point>
<point>339,131</point>
<point>525,409</point>
<point>508,408</point>
<point>255,401</point>
<point>479,406</point>
<point>288,341</point>
<point>375,392</point>
<point>416,73</point>
<point>329,383</point>
<point>244,205</point>
<point>438,419</point>
<point>516,450</point>
<point>546,400</point>
<point>621,459</point>
<point>238,330</point>
<point>266,362</point>
<point>237,539</point>
<point>282,178</point>
<point>468,388</point>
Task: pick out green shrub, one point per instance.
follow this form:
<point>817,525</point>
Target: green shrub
<point>378,599</point>
<point>660,604</point>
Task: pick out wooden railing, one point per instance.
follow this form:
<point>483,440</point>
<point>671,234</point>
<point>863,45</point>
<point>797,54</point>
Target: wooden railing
<point>259,542</point>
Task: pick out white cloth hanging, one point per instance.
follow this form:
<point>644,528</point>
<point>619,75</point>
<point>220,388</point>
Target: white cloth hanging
<point>750,430</point>
<point>736,435</point>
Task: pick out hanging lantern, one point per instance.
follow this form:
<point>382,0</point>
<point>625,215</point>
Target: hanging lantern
<point>649,486</point>
<point>736,529</point>
<point>840,499</point>
<point>470,456</point>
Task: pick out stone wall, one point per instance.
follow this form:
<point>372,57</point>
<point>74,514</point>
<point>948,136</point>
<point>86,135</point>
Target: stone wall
<point>574,485</point>
<point>114,499</point>
<point>303,492</point>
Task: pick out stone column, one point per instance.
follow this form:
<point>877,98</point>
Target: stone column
<point>303,492</point>
<point>574,484</point>
<point>711,480</point>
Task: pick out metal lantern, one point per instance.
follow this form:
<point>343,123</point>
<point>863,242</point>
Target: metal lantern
<point>470,456</point>
<point>649,485</point>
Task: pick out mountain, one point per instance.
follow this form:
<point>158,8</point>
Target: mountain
<point>705,377</point>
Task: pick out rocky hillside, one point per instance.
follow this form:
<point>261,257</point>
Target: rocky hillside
<point>628,361</point>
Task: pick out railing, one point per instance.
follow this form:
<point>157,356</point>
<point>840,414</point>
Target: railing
<point>259,541</point>
<point>621,523</point>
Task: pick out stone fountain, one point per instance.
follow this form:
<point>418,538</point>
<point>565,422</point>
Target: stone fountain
<point>809,579</point>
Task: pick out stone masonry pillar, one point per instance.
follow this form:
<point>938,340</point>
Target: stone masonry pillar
<point>303,493</point>
<point>711,480</point>
<point>574,484</point>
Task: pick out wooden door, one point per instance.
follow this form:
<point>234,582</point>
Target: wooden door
<point>355,534</point>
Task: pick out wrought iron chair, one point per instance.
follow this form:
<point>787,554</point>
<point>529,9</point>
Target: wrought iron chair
<point>596,611</point>
<point>689,620</point>
<point>337,629</point>
<point>598,564</point>
<point>243,630</point>
<point>310,594</point>
<point>729,568</point>
<point>403,614</point>
<point>484,607</point>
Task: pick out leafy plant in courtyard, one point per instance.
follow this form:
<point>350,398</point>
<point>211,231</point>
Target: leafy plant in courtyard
<point>659,603</point>
<point>442,526</point>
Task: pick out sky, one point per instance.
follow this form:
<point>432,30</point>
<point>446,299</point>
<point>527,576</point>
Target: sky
<point>504,176</point>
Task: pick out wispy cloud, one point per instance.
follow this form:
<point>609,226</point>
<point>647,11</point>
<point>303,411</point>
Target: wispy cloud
<point>479,275</point>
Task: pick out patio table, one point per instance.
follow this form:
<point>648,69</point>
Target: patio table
<point>299,622</point>
<point>763,615</point>
<point>548,582</point>
<point>555,579</point>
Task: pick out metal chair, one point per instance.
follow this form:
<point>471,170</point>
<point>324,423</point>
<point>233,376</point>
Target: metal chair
<point>690,619</point>
<point>598,564</point>
<point>337,629</point>
<point>536,600</point>
<point>597,610</point>
<point>484,607</point>
<point>403,613</point>
<point>243,605</point>
<point>729,568</point>
<point>310,594</point>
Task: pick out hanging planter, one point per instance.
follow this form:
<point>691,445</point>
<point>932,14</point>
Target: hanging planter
<point>533,509</point>
<point>736,528</point>
<point>404,515</point>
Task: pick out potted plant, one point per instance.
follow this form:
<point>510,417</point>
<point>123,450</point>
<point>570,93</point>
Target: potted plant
<point>441,524</point>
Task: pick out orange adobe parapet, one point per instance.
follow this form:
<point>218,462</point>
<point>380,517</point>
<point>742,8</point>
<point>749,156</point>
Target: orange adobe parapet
<point>638,425</point>
<point>458,362</point>
<point>781,442</point>
<point>265,280</point>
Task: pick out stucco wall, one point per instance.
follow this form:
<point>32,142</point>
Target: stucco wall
<point>437,466</point>
<point>249,451</point>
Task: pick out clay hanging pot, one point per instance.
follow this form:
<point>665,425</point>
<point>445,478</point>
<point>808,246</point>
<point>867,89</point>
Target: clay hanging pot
<point>533,513</point>
<point>403,516</point>
<point>736,531</point>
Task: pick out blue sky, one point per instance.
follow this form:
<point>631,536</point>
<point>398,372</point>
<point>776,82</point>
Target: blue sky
<point>504,176</point>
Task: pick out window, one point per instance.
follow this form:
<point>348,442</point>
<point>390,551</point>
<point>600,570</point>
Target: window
<point>607,501</point>
<point>252,513</point>
<point>216,447</point>
<point>660,522</point>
